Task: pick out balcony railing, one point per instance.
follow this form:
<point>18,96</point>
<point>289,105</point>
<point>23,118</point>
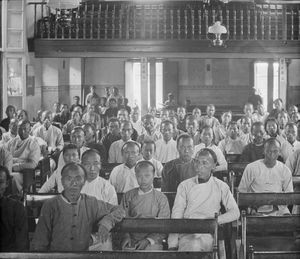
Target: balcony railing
<point>186,20</point>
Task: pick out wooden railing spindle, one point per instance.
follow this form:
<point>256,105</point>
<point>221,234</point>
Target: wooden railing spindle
<point>185,24</point>
<point>193,23</point>
<point>276,23</point>
<point>227,21</point>
<point>157,24</point>
<point>199,23</point>
<point>172,23</point>
<point>165,23</point>
<point>84,20</point>
<point>234,24</point>
<point>292,24</point>
<point>55,27</point>
<point>127,21</point>
<point>270,23</point>
<point>178,24</point>
<point>76,24</point>
<point>255,24</point>
<point>99,22</point>
<point>262,26</point>
<point>242,24</point>
<point>206,21</point>
<point>35,22</point>
<point>248,23</point>
<point>92,21</point>
<point>113,18</point>
<point>106,22</point>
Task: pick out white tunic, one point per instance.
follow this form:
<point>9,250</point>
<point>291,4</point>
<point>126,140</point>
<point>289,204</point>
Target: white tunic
<point>166,152</point>
<point>287,149</point>
<point>101,189</point>
<point>257,177</point>
<point>115,152</point>
<point>222,163</point>
<point>123,178</point>
<point>201,201</point>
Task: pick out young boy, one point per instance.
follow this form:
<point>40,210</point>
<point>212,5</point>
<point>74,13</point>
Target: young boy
<point>70,154</point>
<point>144,202</point>
<point>148,150</point>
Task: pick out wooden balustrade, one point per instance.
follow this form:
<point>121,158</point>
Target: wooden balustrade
<point>185,20</point>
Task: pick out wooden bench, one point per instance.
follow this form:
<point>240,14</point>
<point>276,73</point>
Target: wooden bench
<point>273,255</point>
<point>296,183</point>
<point>278,229</point>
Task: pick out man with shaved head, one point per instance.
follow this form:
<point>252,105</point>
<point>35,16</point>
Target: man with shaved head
<point>67,220</point>
<point>12,132</point>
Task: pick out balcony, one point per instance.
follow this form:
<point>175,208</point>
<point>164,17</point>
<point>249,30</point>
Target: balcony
<point>167,26</point>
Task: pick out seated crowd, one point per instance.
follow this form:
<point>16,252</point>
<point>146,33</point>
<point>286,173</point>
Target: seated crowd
<point>180,146</point>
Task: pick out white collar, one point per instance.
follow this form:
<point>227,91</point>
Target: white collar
<point>140,192</point>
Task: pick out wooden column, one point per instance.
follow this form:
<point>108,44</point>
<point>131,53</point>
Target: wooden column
<point>270,84</point>
<point>144,86</point>
<point>152,83</point>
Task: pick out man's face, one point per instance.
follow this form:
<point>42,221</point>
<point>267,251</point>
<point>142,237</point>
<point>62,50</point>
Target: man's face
<point>76,116</point>
<point>258,133</point>
<point>130,154</point>
<point>126,132</point>
<point>185,149</point>
<point>77,138</point>
<point>145,177</point>
<point>113,128</point>
<point>149,124</point>
<point>283,119</point>
<point>197,113</point>
<point>148,151</point>
<point>24,130</point>
<point>91,109</point>
<point>226,118</point>
<point>246,125</point>
<point>122,115</point>
<point>271,128</point>
<point>78,109</point>
<point>191,126</point>
<point>271,151</point>
<point>293,109</point>
<point>13,126</point>
<point>164,114</point>
<point>233,131</point>
<point>181,113</point>
<point>135,115</point>
<point>3,183</point>
<point>76,100</point>
<point>89,134</point>
<point>73,181</point>
<point>278,105</point>
<point>204,166</point>
<point>112,104</point>
<point>291,133</point>
<point>47,119</point>
<point>21,115</point>
<point>71,155</point>
<point>248,110</point>
<point>167,131</point>
<point>207,136</point>
<point>11,112</point>
<point>210,111</point>
<point>92,164</point>
<point>56,107</point>
<point>260,109</point>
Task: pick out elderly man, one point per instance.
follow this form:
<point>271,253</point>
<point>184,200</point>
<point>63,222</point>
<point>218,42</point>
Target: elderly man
<point>115,154</point>
<point>113,133</point>
<point>150,131</point>
<point>25,151</point>
<point>292,144</point>
<point>268,175</point>
<point>10,113</point>
<point>123,176</point>
<point>122,116</point>
<point>67,220</point>
<point>173,173</point>
<point>50,134</point>
<point>201,197</point>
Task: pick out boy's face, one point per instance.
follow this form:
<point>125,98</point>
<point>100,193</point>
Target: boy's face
<point>167,131</point>
<point>271,128</point>
<point>149,124</point>
<point>145,177</point>
<point>191,126</point>
<point>258,133</point>
<point>77,138</point>
<point>196,113</point>
<point>233,131</point>
<point>113,128</point>
<point>135,115</point>
<point>126,132</point>
<point>71,155</point>
<point>210,111</point>
<point>181,113</point>
<point>226,118</point>
<point>246,125</point>
<point>248,110</point>
<point>207,136</point>
<point>148,151</point>
<point>291,133</point>
<point>283,118</point>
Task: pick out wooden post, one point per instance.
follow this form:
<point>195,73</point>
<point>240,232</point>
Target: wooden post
<point>270,84</point>
<point>144,85</point>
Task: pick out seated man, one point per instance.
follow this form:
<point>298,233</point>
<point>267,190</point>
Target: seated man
<point>115,154</point>
<point>209,119</point>
<point>248,113</point>
<point>67,220</point>
<point>144,202</point>
<point>78,139</point>
<point>173,173</point>
<point>95,185</point>
<point>151,132</point>
<point>112,135</point>
<point>181,115</point>
<point>220,131</point>
<point>245,127</point>
<point>90,141</point>
<point>50,134</point>
<point>136,122</point>
<point>25,152</point>
<point>72,123</point>
<point>207,142</point>
<point>13,219</point>
<point>70,154</point>
<point>10,113</point>
<point>192,129</point>
<point>166,147</point>
<point>293,163</point>
<point>268,175</point>
<point>92,117</point>
<point>123,177</point>
<point>292,144</point>
<point>255,149</point>
<point>201,197</point>
<point>148,150</point>
<point>232,144</point>
<point>12,132</point>
<point>122,116</point>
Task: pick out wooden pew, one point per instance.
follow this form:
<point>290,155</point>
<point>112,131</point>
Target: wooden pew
<point>296,183</point>
<point>278,228</point>
<point>273,255</point>
<point>109,255</point>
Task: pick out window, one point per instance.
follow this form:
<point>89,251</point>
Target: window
<point>133,83</point>
<point>261,80</point>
